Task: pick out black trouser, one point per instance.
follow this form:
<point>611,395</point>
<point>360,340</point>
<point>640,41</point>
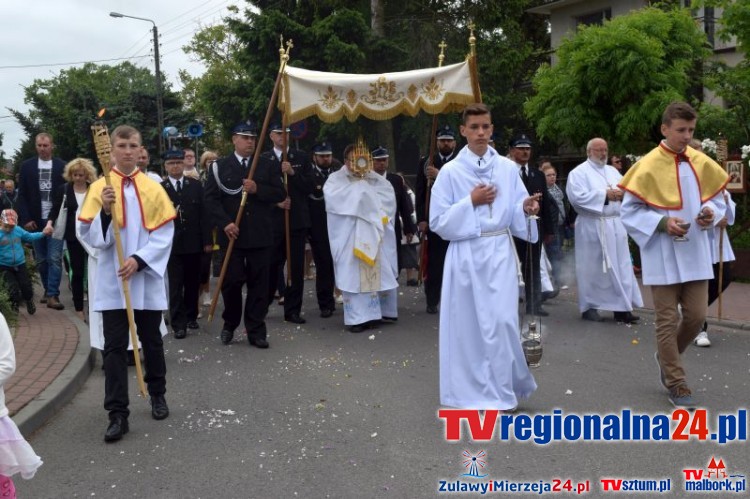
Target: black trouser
<point>324,280</point>
<point>78,259</point>
<point>295,270</point>
<point>530,263</point>
<point>436,250</point>
<point>713,284</point>
<point>184,283</point>
<point>247,266</point>
<point>217,260</point>
<point>18,284</point>
<point>116,336</point>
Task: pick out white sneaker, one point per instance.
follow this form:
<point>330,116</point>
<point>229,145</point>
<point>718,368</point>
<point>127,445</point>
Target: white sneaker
<point>340,299</point>
<point>702,340</point>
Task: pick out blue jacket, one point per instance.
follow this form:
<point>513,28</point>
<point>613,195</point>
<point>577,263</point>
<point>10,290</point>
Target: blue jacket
<point>11,249</point>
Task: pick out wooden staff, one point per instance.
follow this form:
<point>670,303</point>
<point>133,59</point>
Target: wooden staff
<point>431,156</point>
<point>721,258</point>
<point>103,148</point>
<point>284,58</point>
<point>284,144</point>
<point>721,266</point>
<point>473,63</point>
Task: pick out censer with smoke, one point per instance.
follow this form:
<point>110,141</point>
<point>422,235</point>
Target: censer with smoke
<point>531,331</point>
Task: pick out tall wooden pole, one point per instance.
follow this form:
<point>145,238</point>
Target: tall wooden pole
<point>253,166</point>
<point>284,145</point>
<point>430,158</point>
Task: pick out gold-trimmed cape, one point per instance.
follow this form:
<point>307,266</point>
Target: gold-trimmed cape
<point>655,179</point>
<point>156,208</point>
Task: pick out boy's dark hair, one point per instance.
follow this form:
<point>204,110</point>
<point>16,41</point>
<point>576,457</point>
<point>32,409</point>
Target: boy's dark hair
<point>678,111</point>
<point>476,109</point>
<point>124,132</point>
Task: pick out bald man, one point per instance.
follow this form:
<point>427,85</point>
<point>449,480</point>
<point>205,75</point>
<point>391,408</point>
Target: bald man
<point>603,268</point>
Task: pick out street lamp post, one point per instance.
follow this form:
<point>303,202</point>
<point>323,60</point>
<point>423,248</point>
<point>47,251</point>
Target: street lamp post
<point>159,106</point>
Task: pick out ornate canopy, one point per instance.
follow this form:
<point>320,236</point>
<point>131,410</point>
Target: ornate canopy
<point>332,96</point>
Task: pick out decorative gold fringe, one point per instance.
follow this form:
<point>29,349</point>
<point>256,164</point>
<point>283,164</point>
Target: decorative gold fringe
<point>451,103</point>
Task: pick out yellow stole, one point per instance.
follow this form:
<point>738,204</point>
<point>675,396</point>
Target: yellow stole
<point>156,207</point>
<point>655,178</point>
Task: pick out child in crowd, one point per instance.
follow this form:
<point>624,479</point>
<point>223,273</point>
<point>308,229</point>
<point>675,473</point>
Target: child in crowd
<point>13,259</point>
<point>16,455</point>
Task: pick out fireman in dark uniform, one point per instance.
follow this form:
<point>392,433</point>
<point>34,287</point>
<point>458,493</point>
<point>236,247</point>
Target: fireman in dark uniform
<point>322,166</point>
<point>298,170</point>
<point>191,239</point>
<point>250,259</point>
<point>404,226</point>
<point>436,246</point>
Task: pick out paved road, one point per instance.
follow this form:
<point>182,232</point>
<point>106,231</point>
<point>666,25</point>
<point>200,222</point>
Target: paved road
<point>326,413</point>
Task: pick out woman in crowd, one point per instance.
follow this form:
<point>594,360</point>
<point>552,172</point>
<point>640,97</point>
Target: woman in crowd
<point>78,175</point>
<point>207,160</point>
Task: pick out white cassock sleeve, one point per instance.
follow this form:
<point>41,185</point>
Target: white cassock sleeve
<point>640,220</point>
<point>581,194</point>
<point>453,221</point>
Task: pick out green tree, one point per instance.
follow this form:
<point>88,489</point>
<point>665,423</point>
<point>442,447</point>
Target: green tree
<point>729,82</point>
<point>614,80</point>
<point>65,106</point>
<point>3,159</point>
<point>338,36</point>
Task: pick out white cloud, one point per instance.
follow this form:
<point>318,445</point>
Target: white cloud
<point>41,32</point>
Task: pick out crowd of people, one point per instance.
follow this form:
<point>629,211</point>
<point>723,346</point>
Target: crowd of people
<point>489,228</point>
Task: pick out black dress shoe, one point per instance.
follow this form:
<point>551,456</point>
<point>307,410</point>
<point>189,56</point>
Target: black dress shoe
<point>226,336</point>
<point>357,328</point>
<point>626,317</point>
<point>432,309</point>
<point>193,325</point>
<point>592,315</point>
<point>390,319</point>
<point>258,342</point>
<point>159,409</point>
<point>412,282</point>
<point>326,313</point>
<point>539,312</point>
<point>118,426</point>
<point>180,334</point>
<point>295,318</point>
<point>548,295</point>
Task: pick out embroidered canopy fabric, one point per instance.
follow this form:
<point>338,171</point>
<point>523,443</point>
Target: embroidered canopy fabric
<point>332,96</point>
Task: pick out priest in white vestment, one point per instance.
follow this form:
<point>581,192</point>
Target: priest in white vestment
<point>361,210</point>
<point>604,272</point>
<point>478,203</point>
<point>669,187</point>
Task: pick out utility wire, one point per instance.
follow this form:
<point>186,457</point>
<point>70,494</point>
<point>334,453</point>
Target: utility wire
<point>25,66</point>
